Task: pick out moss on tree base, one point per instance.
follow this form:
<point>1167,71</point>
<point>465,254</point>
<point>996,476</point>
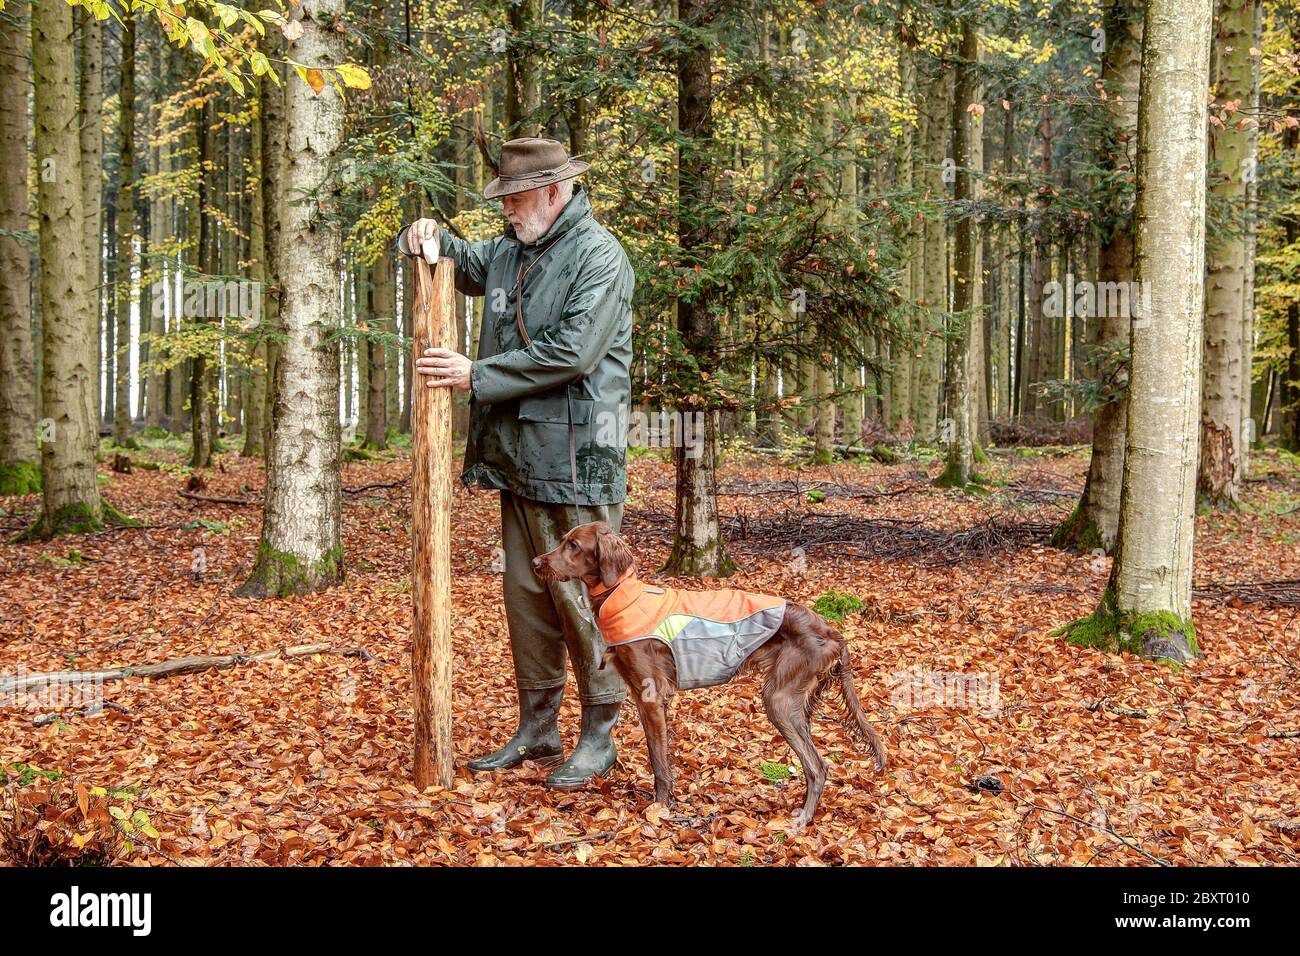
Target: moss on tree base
<point>709,560</point>
<point>281,574</point>
<point>20,478</point>
<point>951,477</point>
<point>76,519</point>
<point>1155,635</point>
<point>1079,531</point>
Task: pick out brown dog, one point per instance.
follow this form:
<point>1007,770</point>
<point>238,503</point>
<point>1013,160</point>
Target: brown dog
<point>662,640</point>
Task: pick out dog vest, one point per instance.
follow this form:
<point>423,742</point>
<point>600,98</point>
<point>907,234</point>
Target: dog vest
<point>711,633</point>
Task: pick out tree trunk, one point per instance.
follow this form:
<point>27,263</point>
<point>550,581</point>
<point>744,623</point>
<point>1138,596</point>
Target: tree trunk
<point>698,548</point>
<point>929,386</point>
<point>377,378</point>
<point>1223,382</point>
<point>1094,523</point>
<point>900,347</point>
<point>125,236</point>
<point>1147,606</point>
<point>301,549</point>
<point>255,408</point>
<point>91,142</point>
<point>523,89</point>
<point>962,384</point>
<point>20,472</point>
<point>71,499</point>
<point>201,432</point>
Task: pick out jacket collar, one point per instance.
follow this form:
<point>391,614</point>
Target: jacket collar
<point>574,212</point>
<point>620,597</point>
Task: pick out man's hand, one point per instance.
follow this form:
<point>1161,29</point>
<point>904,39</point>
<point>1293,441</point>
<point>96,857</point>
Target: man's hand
<point>443,366</point>
<point>420,232</point>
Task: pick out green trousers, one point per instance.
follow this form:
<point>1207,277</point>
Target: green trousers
<point>549,622</point>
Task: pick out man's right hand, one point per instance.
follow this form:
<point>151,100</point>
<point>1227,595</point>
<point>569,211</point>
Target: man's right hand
<point>418,232</point>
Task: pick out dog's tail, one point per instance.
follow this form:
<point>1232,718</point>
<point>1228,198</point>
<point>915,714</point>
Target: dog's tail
<point>855,722</point>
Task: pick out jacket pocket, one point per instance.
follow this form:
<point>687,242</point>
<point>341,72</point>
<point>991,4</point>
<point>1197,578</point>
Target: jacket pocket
<point>553,409</point>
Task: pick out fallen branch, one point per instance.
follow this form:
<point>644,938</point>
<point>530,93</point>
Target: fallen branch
<point>217,501</point>
<point>90,710</point>
<point>377,484</point>
<point>169,668</point>
<point>1279,592</point>
<point>1118,711</point>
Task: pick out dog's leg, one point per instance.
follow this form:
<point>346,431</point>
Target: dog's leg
<point>653,709</point>
<point>787,709</point>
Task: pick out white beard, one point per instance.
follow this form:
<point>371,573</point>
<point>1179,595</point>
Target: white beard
<point>532,228</point>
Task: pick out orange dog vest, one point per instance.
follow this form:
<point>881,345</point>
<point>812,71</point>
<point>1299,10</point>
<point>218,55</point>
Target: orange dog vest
<point>711,633</point>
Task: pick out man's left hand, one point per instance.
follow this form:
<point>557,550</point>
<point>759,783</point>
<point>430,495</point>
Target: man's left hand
<point>444,367</point>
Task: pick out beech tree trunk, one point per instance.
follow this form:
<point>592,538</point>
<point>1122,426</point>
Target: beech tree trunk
<point>1222,376</point>
<point>1147,606</point>
<point>301,548</point>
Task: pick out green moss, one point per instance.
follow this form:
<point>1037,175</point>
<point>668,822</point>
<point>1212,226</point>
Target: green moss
<point>816,496</point>
<point>951,477</point>
<point>281,574</point>
<point>707,560</point>
<point>1078,531</point>
<point>1110,629</point>
<point>835,606</point>
<point>20,478</point>
<point>979,455</point>
<point>76,519</point>
<point>356,454</point>
<point>884,454</point>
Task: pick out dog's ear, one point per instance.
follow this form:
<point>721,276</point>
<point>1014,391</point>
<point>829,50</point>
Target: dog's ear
<point>613,556</point>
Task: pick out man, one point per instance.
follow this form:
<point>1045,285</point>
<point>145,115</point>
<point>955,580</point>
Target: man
<point>553,368</point>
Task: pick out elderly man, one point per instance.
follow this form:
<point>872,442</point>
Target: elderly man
<point>551,377</point>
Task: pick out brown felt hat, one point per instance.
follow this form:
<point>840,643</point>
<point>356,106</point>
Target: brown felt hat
<point>530,164</point>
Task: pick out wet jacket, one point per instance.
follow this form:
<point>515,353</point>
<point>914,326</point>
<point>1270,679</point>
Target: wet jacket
<point>711,633</point>
<point>577,310</point>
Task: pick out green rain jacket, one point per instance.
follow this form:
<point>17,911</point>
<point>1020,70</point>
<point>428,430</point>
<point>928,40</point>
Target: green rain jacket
<point>574,373</point>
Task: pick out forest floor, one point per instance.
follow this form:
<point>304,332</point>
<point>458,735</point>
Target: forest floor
<point>1082,757</point>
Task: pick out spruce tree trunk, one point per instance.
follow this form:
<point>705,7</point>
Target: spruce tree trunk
<point>963,372</point>
<point>301,548</point>
<point>125,244</point>
<point>201,431</point>
<point>900,347</point>
<point>20,472</point>
<point>273,165</point>
<point>71,499</point>
<point>255,408</point>
<point>1223,381</point>
<point>1147,606</point>
<point>698,548</point>
<point>376,377</point>
<point>1094,523</point>
<point>929,386</point>
<point>152,349</point>
<point>523,88</point>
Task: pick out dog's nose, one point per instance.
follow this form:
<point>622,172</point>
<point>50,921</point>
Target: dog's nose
<point>537,564</point>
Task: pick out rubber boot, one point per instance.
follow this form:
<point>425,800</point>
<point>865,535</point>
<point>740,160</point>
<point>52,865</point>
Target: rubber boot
<point>595,755</point>
<point>538,736</point>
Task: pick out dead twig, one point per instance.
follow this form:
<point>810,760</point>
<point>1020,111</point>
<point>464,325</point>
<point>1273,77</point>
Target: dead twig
<point>170,668</point>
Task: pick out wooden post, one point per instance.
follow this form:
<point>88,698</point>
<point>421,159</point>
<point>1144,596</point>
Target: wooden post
<point>434,327</point>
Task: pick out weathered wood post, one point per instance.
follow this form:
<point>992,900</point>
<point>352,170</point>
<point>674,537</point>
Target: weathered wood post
<point>434,327</point>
